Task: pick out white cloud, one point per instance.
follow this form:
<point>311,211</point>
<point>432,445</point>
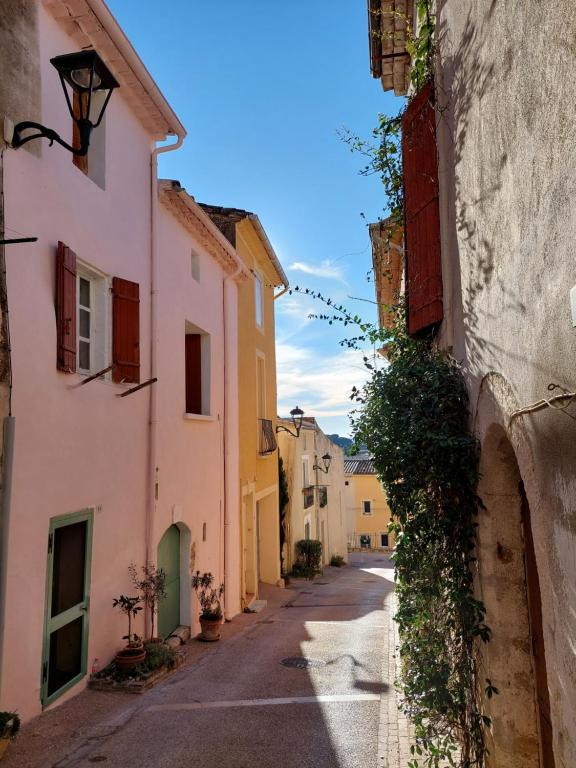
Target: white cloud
<point>326,269</point>
<point>319,384</point>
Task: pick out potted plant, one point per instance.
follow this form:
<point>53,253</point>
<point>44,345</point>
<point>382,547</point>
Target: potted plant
<point>152,586</point>
<point>134,652</point>
<point>9,727</point>
<point>210,607</point>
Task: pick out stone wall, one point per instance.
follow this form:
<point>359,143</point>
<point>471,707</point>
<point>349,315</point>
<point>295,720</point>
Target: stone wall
<point>507,107</point>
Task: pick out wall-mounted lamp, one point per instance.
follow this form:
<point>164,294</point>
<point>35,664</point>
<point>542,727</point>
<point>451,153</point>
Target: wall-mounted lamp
<point>86,74</point>
<point>327,460</point>
<point>297,415</point>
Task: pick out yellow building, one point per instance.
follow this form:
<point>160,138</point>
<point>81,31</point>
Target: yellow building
<point>366,505</point>
<point>258,460</point>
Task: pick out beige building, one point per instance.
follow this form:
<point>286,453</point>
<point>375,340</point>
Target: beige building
<point>316,508</point>
<point>256,395</point>
<point>367,509</point>
<point>492,163</point>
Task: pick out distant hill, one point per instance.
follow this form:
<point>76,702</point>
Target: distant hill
<point>343,442</point>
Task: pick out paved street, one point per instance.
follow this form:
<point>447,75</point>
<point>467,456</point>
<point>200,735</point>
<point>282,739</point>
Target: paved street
<point>235,704</point>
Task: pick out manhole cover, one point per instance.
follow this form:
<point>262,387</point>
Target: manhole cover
<point>299,662</point>
<point>320,583</point>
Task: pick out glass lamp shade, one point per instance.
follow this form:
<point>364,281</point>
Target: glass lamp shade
<point>327,459</point>
<point>88,77</point>
<point>78,68</point>
<point>297,416</point>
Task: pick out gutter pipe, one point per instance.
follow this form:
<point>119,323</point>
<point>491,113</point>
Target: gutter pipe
<point>153,399</point>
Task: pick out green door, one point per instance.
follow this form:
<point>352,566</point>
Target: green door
<point>67,602</point>
<point>169,561</point>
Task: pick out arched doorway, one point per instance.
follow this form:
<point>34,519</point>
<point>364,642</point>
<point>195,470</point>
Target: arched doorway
<point>169,561</point>
<point>514,660</point>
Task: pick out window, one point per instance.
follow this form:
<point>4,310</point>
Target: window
<point>307,529</point>
<point>195,266</point>
<point>261,385</point>
<point>93,163</point>
<point>197,370</point>
<point>367,508</point>
<point>383,539</point>
<point>305,471</point>
<point>91,335</point>
<point>258,300</point>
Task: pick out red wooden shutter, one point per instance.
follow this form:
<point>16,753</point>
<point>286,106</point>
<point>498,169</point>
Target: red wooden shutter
<point>193,373</point>
<point>125,331</point>
<point>66,309</point>
<point>421,213</point>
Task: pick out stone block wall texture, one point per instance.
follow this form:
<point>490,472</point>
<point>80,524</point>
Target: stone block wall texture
<point>507,105</point>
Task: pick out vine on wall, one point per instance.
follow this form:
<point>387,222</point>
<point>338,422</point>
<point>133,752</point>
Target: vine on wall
<point>413,417</point>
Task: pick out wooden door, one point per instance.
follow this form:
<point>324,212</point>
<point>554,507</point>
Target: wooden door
<point>169,561</point>
<point>67,602</point>
<point>536,631</point>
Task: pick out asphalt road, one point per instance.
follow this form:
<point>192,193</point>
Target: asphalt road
<point>236,705</point>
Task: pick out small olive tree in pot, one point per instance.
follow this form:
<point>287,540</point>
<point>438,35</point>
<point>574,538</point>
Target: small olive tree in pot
<point>134,652</point>
<point>152,587</point>
<point>210,607</point>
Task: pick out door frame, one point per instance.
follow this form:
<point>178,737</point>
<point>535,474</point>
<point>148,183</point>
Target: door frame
<point>81,610</point>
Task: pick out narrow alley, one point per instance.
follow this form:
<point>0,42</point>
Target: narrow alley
<point>268,711</point>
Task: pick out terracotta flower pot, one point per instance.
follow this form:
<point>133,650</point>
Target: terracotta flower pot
<point>128,658</point>
<point>4,745</point>
<point>210,629</point>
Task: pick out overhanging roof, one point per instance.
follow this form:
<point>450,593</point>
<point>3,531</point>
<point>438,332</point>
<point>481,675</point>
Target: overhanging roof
<point>389,25</point>
<point>91,25</point>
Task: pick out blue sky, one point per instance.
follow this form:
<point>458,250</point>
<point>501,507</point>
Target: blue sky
<point>262,89</point>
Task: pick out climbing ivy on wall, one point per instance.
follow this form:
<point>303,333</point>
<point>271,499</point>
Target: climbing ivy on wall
<point>413,417</point>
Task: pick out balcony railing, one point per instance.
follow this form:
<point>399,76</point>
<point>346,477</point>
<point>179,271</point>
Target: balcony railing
<point>322,495</point>
<point>267,438</point>
<point>308,494</point>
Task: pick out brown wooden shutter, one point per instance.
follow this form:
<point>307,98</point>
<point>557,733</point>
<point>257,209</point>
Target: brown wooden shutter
<point>79,105</point>
<point>193,373</point>
<point>125,331</point>
<point>66,309</point>
<point>421,213</point>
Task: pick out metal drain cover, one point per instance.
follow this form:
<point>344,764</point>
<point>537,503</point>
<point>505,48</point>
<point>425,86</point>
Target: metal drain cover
<point>300,662</point>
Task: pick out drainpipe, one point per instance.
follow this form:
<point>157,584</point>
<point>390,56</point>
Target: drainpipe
<point>9,425</point>
<point>153,399</point>
<point>227,542</point>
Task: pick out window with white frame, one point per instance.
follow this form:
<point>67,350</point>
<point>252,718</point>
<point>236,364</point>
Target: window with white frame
<point>93,327</point>
<point>258,300</point>
<point>307,528</point>
<point>367,508</point>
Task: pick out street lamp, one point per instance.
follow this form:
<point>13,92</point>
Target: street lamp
<point>327,459</point>
<point>297,415</point>
<point>86,74</point>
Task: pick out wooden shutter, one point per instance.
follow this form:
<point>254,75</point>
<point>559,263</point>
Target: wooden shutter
<point>125,331</point>
<point>193,373</point>
<point>421,213</point>
<point>66,309</point>
<point>79,106</point>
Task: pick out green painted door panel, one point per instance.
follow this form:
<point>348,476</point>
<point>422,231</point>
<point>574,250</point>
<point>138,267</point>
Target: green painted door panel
<point>67,603</point>
<point>169,561</point>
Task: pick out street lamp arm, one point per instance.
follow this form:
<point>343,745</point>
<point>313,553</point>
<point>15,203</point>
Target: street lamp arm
<point>47,133</point>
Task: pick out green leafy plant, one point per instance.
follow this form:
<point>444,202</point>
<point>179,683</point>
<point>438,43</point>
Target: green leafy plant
<point>9,725</point>
<point>158,655</point>
<point>308,558</point>
<point>130,607</point>
<point>413,417</point>
<point>152,587</point>
<point>337,561</point>
<point>208,595</point>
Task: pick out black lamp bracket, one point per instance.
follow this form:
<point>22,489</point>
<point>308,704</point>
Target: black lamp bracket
<point>84,127</point>
<point>282,428</point>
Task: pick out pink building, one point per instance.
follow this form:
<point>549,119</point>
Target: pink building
<point>130,278</point>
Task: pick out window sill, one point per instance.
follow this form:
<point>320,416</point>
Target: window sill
<point>198,417</point>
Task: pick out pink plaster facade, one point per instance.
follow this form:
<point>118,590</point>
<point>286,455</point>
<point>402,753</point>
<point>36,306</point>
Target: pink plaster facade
<point>83,447</point>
